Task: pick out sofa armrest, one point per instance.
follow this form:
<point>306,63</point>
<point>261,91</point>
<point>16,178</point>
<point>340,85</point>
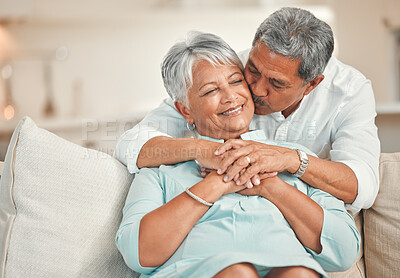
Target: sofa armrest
<point>382,222</point>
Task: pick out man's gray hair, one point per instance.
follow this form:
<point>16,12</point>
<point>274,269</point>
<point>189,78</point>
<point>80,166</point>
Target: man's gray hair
<point>298,34</point>
<point>177,65</point>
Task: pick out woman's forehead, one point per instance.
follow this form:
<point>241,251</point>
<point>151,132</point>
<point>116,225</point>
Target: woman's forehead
<point>206,70</point>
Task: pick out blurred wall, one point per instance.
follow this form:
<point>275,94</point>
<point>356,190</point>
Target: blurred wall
<point>113,63</point>
<point>104,56</point>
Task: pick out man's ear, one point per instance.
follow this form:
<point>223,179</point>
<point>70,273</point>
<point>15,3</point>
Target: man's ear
<point>184,111</point>
<point>313,84</point>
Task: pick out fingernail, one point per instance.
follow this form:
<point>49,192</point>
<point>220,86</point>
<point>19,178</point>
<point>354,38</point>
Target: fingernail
<point>257,181</point>
<point>219,171</point>
<point>249,185</point>
<point>238,182</point>
<point>216,152</point>
<point>225,178</point>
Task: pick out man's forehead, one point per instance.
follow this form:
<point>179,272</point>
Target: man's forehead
<point>262,58</point>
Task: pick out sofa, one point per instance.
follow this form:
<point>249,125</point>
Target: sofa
<point>60,207</point>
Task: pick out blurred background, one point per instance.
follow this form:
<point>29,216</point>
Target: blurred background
<point>89,70</point>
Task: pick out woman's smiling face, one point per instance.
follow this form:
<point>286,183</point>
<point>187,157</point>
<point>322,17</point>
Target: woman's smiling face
<point>220,102</point>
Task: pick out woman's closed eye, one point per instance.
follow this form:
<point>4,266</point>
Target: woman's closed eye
<point>238,81</point>
<point>210,91</point>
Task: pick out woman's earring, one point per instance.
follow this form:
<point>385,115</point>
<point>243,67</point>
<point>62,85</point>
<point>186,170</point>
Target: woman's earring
<point>191,131</point>
<point>191,127</point>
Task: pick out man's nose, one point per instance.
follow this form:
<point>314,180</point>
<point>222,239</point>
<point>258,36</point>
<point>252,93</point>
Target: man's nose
<point>259,88</point>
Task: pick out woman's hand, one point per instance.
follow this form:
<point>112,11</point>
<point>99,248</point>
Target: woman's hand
<point>226,187</point>
<point>255,180</point>
<point>242,160</point>
<point>264,189</point>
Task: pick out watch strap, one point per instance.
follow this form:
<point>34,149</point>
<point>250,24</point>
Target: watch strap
<point>303,163</point>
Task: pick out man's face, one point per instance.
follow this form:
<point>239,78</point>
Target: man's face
<point>274,82</point>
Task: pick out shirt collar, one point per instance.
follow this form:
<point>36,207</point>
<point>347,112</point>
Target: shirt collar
<point>278,116</point>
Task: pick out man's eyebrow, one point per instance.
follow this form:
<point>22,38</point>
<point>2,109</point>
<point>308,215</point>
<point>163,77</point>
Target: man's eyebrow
<point>280,82</point>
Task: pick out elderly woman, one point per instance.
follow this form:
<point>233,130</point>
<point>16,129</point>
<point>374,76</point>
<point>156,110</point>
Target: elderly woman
<point>177,224</point>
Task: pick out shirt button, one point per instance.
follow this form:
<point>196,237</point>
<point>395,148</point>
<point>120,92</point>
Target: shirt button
<point>281,132</point>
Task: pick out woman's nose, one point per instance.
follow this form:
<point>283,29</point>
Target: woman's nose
<point>229,95</point>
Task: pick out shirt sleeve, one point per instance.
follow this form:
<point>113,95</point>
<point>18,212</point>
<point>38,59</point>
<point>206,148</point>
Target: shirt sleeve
<point>340,238</point>
<point>162,121</point>
<point>145,195</point>
<point>355,141</point>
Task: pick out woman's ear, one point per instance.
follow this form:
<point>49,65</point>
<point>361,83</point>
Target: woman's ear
<point>184,111</point>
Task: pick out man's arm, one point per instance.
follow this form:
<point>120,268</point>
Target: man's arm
<point>163,150</point>
<point>355,142</point>
<point>323,174</point>
<point>162,121</point>
<point>258,158</point>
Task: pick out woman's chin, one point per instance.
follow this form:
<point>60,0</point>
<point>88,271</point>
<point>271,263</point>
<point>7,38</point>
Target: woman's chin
<point>239,128</point>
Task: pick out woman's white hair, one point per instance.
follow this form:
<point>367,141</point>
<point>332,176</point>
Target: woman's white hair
<point>177,65</point>
<point>298,34</point>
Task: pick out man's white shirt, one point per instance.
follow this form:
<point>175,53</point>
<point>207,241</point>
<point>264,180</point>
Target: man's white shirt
<point>336,121</point>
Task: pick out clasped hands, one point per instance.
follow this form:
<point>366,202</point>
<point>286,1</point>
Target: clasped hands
<point>247,163</point>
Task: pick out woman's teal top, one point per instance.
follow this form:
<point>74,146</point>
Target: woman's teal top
<point>236,228</point>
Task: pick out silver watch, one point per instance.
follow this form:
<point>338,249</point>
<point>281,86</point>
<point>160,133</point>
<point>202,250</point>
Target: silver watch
<point>303,163</point>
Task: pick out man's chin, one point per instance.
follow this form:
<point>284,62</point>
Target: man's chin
<point>262,110</point>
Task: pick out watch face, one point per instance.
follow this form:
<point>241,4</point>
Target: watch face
<point>303,157</point>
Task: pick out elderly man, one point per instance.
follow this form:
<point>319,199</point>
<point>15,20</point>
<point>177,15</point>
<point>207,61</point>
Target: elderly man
<point>302,94</point>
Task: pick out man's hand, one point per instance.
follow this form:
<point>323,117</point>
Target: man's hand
<point>255,180</point>
<point>205,154</point>
<point>242,160</point>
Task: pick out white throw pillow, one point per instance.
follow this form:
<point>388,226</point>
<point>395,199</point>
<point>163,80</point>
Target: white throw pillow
<point>60,207</point>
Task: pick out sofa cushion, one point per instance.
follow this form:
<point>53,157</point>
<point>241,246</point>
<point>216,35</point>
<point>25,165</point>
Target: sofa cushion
<point>60,207</point>
<point>382,222</point>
